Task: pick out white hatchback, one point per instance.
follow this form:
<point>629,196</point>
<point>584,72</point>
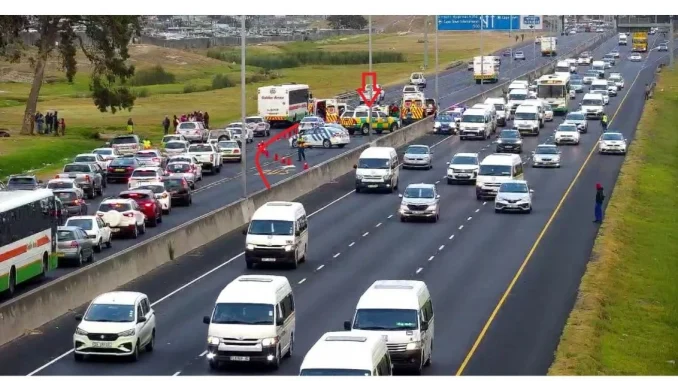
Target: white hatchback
<point>567,133</point>
<point>98,232</point>
<point>158,189</point>
<point>119,323</point>
<point>513,196</point>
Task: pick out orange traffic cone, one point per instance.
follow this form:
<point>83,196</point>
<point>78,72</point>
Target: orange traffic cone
<point>305,166</point>
<point>265,151</point>
<point>289,161</point>
<point>275,158</point>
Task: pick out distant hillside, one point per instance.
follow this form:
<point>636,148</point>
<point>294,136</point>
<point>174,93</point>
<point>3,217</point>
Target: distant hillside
<point>396,24</point>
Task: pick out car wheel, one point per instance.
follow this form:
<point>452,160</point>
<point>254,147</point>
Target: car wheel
<point>153,223</point>
<point>90,195</point>
<point>160,217</point>
<point>290,350</point>
<point>143,229</point>
<point>249,264</point>
<point>450,181</point>
<point>80,259</point>
<point>365,129</point>
<point>151,344</point>
<point>135,232</point>
<point>110,241</point>
<point>218,169</point>
<point>134,357</point>
<point>327,144</point>
<point>97,248</point>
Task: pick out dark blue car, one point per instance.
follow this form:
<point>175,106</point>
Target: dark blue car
<point>444,124</point>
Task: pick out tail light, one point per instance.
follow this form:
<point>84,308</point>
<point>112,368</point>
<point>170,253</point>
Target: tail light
<point>148,203</point>
<point>56,177</point>
<point>129,169</point>
<point>128,214</point>
<point>77,202</point>
<point>110,169</point>
<point>155,159</point>
<point>74,244</point>
<point>87,177</point>
<point>236,150</point>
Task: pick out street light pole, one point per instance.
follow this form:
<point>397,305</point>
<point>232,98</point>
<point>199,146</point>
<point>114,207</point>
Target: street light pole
<point>243,110</point>
<point>369,108</point>
<point>436,84</point>
<point>425,42</point>
<point>482,59</point>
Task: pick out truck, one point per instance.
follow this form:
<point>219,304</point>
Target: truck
<point>623,39</point>
<point>485,69</point>
<point>548,46</point>
<point>639,42</point>
<point>283,105</point>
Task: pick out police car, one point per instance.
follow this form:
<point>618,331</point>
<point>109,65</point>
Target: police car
<point>327,136</point>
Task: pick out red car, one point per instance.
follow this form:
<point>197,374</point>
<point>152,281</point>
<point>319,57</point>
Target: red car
<point>150,206</point>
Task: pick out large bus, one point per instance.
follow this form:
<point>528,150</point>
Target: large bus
<point>554,89</point>
<point>28,227</point>
<point>283,105</point>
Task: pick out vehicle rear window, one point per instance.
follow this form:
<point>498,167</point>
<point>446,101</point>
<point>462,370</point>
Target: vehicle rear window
<point>188,126</point>
<point>124,140</point>
<point>76,168</point>
<point>136,196</point>
<point>253,120</point>
<point>119,207</point>
<point>178,167</point>
<point>200,148</point>
<point>103,151</point>
<point>175,145</point>
<point>146,154</point>
<point>66,196</point>
<point>85,224</point>
<point>22,181</point>
<point>172,184</point>
<point>85,159</point>
<point>153,188</point>
<point>59,185</point>
<point>123,162</point>
<point>144,173</point>
<point>228,144</point>
<point>65,235</point>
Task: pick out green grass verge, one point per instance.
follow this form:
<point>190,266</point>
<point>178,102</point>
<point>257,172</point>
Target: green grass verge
<point>625,321</point>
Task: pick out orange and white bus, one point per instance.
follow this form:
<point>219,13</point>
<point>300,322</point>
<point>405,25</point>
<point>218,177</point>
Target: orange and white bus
<point>28,226</point>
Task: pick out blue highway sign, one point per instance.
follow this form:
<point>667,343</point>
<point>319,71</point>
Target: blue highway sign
<point>489,22</point>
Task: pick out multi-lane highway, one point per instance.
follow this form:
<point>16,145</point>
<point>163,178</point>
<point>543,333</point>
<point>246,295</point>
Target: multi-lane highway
<point>470,260</point>
<point>222,189</point>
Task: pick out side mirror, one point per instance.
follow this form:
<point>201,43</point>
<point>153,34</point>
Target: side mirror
<point>448,163</point>
<point>206,319</point>
<point>244,230</point>
<point>347,325</point>
<point>279,321</point>
<point>141,319</point>
<point>424,325</point>
<point>400,196</point>
<point>78,317</point>
<point>437,196</point>
<point>531,191</point>
<point>355,166</point>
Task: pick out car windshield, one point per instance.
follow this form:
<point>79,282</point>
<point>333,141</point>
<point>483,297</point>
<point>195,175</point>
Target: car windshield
<point>85,224</point>
<point>173,184</point>
<point>103,151</point>
<point>118,207</point>
<point>22,181</point>
<point>169,138</point>
<point>175,145</point>
<point>123,162</point>
<point>147,154</point>
<point>591,73</point>
<point>575,81</point>
<point>444,118</point>
<point>517,96</point>
<point>188,126</point>
<point>253,120</point>
<point>567,128</point>
<point>499,106</point>
<point>613,137</point>
<point>592,102</point>
<point>228,144</point>
<point>417,150</point>
<point>271,227</point>
<point>243,313</point>
<point>525,116</point>
<point>65,235</point>
<point>153,188</point>
<point>84,159</point>
<point>576,116</point>
<point>601,92</point>
<point>473,118</point>
<point>76,168</point>
<point>110,313</point>
<point>236,131</point>
<point>513,188</point>
<point>418,192</point>
<point>509,134</point>
<point>144,173</point>
<point>124,140</point>
<point>495,170</point>
<point>471,160</point>
<point>335,372</point>
<point>66,196</point>
<point>200,148</point>
<point>386,319</point>
<point>547,150</point>
<point>178,167</point>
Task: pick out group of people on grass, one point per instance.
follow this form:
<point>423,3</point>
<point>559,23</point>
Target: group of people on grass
<point>50,123</point>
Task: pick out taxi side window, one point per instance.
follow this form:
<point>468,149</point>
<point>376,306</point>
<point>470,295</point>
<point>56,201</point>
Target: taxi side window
<point>140,311</point>
<point>302,224</point>
<point>384,366</point>
<point>145,307</point>
<point>287,306</point>
<point>518,169</point>
<point>427,310</point>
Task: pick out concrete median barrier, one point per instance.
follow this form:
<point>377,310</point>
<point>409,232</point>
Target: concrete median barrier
<point>37,307</point>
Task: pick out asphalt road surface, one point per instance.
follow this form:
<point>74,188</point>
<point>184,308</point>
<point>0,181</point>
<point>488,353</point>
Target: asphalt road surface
<point>224,188</point>
<point>468,259</point>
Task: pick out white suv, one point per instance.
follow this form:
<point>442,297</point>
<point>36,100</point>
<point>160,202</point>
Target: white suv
<point>145,175</point>
<point>463,167</point>
<point>513,196</point>
<point>119,323</point>
<point>193,131</point>
<point>418,79</point>
<point>208,156</point>
<point>123,216</point>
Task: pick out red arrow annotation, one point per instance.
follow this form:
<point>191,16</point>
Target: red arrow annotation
<point>281,135</point>
<point>362,91</point>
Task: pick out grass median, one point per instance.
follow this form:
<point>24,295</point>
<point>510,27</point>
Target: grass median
<point>172,82</point>
<point>626,316</point>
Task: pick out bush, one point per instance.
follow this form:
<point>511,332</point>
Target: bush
<point>312,57</point>
<point>221,81</point>
<point>193,88</point>
<point>153,76</point>
<point>141,93</point>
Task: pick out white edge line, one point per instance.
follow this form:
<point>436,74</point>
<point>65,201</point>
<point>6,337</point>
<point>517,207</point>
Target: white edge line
<point>176,374</point>
<point>336,255</point>
<point>351,244</point>
<point>452,236</point>
<point>469,219</point>
<point>379,224</point>
<point>461,227</point>
<point>302,281</point>
<point>203,353</point>
<point>431,258</point>
<point>366,234</point>
<point>320,267</point>
<point>441,247</point>
<point>419,270</point>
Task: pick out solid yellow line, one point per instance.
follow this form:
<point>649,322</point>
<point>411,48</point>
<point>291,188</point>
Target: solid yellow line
<point>487,325</point>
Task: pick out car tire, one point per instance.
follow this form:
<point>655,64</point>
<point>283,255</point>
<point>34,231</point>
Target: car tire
<point>290,350</point>
<point>98,247</point>
<point>160,217</point>
<point>249,264</point>
<point>218,170</point>
<point>90,195</point>
<point>153,223</point>
<point>365,129</point>
<point>134,357</point>
<point>135,232</point>
<point>110,241</point>
<point>151,344</point>
<point>143,229</point>
<point>80,260</point>
<point>497,211</point>
<point>327,144</point>
<point>450,182</point>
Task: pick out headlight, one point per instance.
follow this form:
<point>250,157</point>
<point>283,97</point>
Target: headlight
<point>520,141</point>
<point>387,177</point>
<point>129,332</point>
<point>213,340</point>
<point>269,342</point>
<point>479,184</point>
<point>359,177</point>
<point>499,141</point>
<point>80,332</point>
<point>413,346</point>
<point>288,248</point>
<point>431,207</point>
<point>250,247</point>
<point>436,124</point>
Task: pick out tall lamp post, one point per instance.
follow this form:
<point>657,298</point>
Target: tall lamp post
<point>369,48</point>
<point>243,109</point>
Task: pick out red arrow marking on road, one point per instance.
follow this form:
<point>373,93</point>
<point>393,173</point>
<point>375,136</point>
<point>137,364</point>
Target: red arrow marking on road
<point>375,90</point>
<point>260,150</point>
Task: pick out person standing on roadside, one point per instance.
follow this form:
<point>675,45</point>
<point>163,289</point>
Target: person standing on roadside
<point>48,123</point>
<point>300,148</point>
<point>175,123</point>
<point>647,91</point>
<point>130,126</point>
<point>63,127</point>
<point>603,122</point>
<point>166,124</point>
<point>600,197</point>
<point>206,120</point>
<point>55,122</point>
<point>36,120</point>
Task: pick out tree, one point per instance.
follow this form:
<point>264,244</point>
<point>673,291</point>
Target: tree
<point>347,22</point>
<point>105,44</point>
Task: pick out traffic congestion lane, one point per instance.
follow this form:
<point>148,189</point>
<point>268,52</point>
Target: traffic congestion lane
<point>528,326</point>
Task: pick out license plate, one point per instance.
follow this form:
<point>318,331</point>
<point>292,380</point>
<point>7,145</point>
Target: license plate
<point>372,186</point>
<point>115,230</point>
<point>120,170</point>
<point>463,175</point>
<point>102,344</point>
<point>268,259</point>
<point>240,358</point>
<point>60,255</point>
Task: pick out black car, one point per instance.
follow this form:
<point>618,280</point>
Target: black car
<point>179,189</point>
<point>72,201</point>
<point>120,169</point>
<point>510,141</point>
<point>444,124</point>
<point>23,182</point>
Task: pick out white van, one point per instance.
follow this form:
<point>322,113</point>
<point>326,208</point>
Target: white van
<point>500,109</point>
<point>515,98</point>
<point>277,233</point>
<point>377,168</point>
<point>541,108</point>
<point>526,120</point>
<point>598,84</point>
<point>598,65</point>
<point>402,311</point>
<point>493,111</point>
<point>518,84</point>
<point>593,105</point>
<point>347,354</point>
<point>496,169</point>
<point>476,124</point>
<point>253,321</point>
